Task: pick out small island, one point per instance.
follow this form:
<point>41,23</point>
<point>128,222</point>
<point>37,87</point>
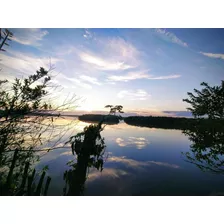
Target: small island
<point>96,118</point>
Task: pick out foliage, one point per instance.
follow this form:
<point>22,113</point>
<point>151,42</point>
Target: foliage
<point>209,101</point>
<point>23,129</point>
<point>89,148</point>
<point>115,109</point>
<point>17,129</point>
<point>23,98</point>
<point>20,134</point>
<point>5,36</point>
<point>207,148</point>
<point>22,179</point>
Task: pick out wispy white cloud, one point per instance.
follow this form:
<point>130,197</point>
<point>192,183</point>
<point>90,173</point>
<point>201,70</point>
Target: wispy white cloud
<point>90,79</point>
<point>29,36</point>
<point>116,54</point>
<point>67,82</point>
<point>87,34</point>
<point>120,48</point>
<point>149,112</point>
<point>166,77</point>
<point>212,55</point>
<point>24,63</point>
<point>139,94</point>
<point>168,36</point>
<point>112,54</point>
<point>78,82</point>
<point>129,76</point>
<point>103,64</point>
<point>140,75</point>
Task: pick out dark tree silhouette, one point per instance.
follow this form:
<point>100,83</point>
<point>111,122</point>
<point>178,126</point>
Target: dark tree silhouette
<point>89,148</point>
<point>209,101</point>
<point>96,118</point>
<point>115,109</point>
<point>207,148</point>
<point>160,122</point>
<point>23,130</point>
<point>19,135</point>
<point>5,36</point>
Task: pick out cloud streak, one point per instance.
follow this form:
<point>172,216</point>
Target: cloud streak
<point>168,36</point>
<point>130,76</point>
<point>212,55</point>
<point>77,82</point>
<point>126,167</point>
<point>113,54</point>
<point>140,75</point>
<point>139,94</point>
<point>27,36</point>
<point>87,34</point>
<point>104,64</point>
<point>139,164</point>
<point>108,172</point>
<point>165,77</point>
<point>24,63</point>
<point>90,79</point>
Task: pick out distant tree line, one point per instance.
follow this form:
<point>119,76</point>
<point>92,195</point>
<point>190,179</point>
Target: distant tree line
<point>168,122</point>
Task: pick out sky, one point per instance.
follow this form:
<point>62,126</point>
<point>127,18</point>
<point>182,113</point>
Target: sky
<point>147,71</point>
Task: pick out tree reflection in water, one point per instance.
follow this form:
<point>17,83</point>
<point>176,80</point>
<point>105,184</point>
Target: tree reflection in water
<point>89,148</point>
<point>207,148</point>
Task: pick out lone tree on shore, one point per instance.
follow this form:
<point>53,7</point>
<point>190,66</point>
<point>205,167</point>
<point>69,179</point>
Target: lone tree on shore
<point>209,101</point>
<point>114,109</point>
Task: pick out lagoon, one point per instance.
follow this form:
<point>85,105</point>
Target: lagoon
<point>138,161</point>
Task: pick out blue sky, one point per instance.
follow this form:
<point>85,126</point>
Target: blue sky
<point>145,70</point>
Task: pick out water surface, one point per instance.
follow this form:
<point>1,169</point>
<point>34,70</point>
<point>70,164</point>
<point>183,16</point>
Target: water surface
<point>138,161</point>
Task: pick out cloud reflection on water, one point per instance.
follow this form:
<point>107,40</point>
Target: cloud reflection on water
<point>125,165</point>
<point>124,176</point>
<point>139,142</point>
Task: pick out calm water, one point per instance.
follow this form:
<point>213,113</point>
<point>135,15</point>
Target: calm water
<point>140,161</point>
